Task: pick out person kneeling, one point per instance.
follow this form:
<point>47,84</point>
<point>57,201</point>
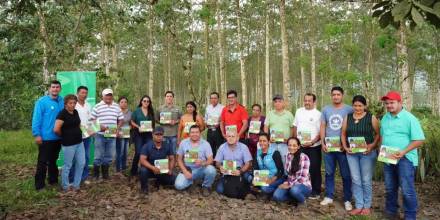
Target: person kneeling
<point>268,166</point>
<point>157,161</point>
<point>194,158</point>
<point>297,186</point>
<point>233,159</point>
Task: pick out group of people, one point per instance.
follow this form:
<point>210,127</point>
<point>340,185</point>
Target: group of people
<point>289,148</point>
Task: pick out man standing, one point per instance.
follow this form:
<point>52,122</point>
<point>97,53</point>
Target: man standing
<point>306,127</point>
<point>279,123</point>
<point>49,145</point>
<point>151,153</point>
<point>212,119</point>
<point>195,160</point>
<point>109,115</point>
<point>84,111</point>
<point>331,125</point>
<point>402,130</point>
<point>234,117</point>
<point>168,117</point>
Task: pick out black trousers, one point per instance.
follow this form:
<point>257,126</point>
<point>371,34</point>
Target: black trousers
<point>315,156</point>
<point>215,139</point>
<point>47,157</point>
<point>162,179</point>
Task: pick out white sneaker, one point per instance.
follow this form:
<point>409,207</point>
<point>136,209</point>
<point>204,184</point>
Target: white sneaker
<point>348,206</point>
<point>326,201</point>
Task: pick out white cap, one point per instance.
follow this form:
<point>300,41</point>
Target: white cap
<point>107,91</point>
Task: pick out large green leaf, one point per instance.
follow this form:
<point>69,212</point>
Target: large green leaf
<point>401,10</point>
<point>417,17</point>
<point>436,9</point>
<point>427,2</point>
<point>424,8</point>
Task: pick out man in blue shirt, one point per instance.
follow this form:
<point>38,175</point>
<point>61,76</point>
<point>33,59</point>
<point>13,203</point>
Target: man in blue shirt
<point>331,123</point>
<point>195,161</point>
<point>43,120</point>
<point>151,153</point>
<point>400,129</point>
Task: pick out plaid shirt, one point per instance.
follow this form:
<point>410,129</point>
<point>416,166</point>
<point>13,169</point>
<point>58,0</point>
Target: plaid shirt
<point>302,175</point>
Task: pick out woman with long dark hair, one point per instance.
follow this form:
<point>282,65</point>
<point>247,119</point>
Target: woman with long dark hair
<point>191,117</point>
<point>255,127</point>
<point>122,142</point>
<point>297,185</point>
<point>142,121</point>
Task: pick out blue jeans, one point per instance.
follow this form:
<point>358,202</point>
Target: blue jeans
<point>330,160</point>
<point>400,175</point>
<point>139,142</point>
<point>207,173</point>
<point>73,153</point>
<point>171,142</point>
<point>163,179</point>
<point>104,150</point>
<point>297,192</point>
<point>362,169</point>
<point>122,145</point>
<point>220,185</point>
<point>85,173</point>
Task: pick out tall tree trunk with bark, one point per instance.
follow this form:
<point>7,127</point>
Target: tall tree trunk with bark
<point>150,54</point>
<point>240,45</point>
<point>267,62</point>
<point>403,69</point>
<point>302,69</point>
<point>221,53</point>
<point>45,40</point>
<point>285,53</point>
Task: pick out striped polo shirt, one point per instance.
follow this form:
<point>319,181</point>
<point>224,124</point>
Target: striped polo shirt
<point>107,114</point>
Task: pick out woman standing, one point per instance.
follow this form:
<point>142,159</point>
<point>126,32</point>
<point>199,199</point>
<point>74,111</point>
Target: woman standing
<point>143,115</point>
<point>67,126</point>
<point>122,142</point>
<point>190,117</point>
<point>298,185</point>
<point>255,127</point>
<point>362,128</point>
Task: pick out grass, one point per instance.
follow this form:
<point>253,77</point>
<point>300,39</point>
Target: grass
<point>18,155</point>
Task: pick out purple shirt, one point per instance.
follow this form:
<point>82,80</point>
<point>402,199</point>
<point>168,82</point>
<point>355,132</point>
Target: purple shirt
<point>239,153</point>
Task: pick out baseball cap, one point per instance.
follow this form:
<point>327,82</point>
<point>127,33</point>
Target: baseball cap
<point>158,130</point>
<point>107,92</point>
<point>277,96</point>
<point>392,95</point>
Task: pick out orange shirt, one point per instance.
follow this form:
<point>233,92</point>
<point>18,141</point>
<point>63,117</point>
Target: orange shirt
<point>235,117</point>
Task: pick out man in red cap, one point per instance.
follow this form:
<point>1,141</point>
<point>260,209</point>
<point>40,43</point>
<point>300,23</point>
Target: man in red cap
<point>401,130</point>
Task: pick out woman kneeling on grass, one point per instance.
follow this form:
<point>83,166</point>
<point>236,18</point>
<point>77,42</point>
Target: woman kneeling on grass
<point>67,126</point>
<point>298,185</point>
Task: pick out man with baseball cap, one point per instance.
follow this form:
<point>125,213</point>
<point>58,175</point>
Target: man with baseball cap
<point>153,156</point>
<point>108,114</point>
<point>400,129</point>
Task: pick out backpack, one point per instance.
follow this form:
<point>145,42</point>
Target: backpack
<point>235,186</point>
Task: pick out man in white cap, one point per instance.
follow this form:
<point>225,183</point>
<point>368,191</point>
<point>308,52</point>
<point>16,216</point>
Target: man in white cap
<point>109,115</point>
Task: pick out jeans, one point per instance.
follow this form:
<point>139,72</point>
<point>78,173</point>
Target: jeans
<point>315,156</point>
<point>271,187</point>
<point>220,185</point>
<point>122,145</point>
<point>207,173</point>
<point>400,175</point>
<point>171,142</point>
<point>298,192</point>
<point>85,172</point>
<point>330,160</point>
<point>139,142</point>
<point>104,150</point>
<point>163,179</point>
<point>48,152</point>
<point>362,169</point>
<point>73,153</point>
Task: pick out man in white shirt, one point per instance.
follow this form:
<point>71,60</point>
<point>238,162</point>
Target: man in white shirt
<point>212,119</point>
<point>306,127</point>
<point>84,110</point>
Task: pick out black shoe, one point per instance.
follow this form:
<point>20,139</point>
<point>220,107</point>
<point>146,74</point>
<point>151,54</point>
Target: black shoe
<point>96,172</point>
<point>206,191</point>
<point>104,169</point>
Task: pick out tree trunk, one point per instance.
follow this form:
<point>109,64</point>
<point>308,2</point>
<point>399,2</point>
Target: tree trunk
<point>45,40</point>
<point>221,54</point>
<point>240,45</point>
<point>403,69</point>
<point>285,54</point>
<point>208,80</point>
<point>169,61</point>
<point>267,63</point>
<point>150,54</point>
<point>302,74</point>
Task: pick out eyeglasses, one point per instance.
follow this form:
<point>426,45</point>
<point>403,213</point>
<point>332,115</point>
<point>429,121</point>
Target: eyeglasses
<point>231,97</point>
<point>146,100</point>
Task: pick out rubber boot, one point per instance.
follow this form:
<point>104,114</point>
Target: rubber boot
<point>96,172</point>
<point>104,169</point>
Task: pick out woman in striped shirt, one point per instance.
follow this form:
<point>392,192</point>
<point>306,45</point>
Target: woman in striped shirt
<point>297,185</point>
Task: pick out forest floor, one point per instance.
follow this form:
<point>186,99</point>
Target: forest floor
<point>119,198</point>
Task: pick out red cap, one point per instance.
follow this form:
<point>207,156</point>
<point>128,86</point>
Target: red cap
<point>392,95</point>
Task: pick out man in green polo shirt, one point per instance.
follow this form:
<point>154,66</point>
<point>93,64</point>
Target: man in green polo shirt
<point>400,129</point>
